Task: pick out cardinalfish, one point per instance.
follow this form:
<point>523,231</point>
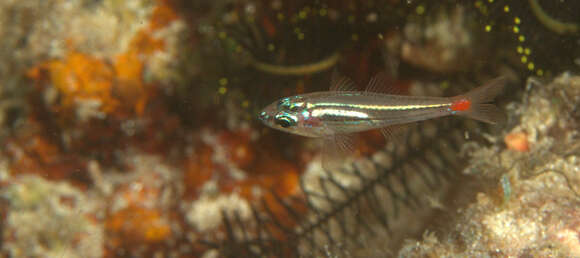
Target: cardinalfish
<point>334,115</point>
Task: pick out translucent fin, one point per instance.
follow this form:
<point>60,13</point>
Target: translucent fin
<point>486,92</point>
<point>335,150</point>
<point>382,83</point>
<point>478,110</point>
<point>395,132</point>
<point>488,113</point>
<point>341,83</point>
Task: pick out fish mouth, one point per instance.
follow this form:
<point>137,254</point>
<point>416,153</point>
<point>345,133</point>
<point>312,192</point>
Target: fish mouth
<point>267,114</point>
<point>264,116</point>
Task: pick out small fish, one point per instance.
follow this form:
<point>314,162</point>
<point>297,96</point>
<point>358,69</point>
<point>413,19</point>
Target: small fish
<point>335,114</point>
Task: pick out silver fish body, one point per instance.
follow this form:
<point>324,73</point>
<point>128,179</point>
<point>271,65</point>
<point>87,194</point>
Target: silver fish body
<point>322,114</point>
<point>326,114</point>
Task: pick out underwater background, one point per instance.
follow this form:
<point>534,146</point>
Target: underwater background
<point>129,129</point>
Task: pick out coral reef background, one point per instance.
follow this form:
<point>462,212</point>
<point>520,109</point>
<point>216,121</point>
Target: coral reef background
<point>129,129</point>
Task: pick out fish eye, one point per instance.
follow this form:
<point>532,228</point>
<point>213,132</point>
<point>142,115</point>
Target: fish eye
<point>284,121</point>
<point>284,104</point>
<point>294,108</point>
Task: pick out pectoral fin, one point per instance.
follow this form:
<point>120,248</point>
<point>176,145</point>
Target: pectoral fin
<point>335,150</point>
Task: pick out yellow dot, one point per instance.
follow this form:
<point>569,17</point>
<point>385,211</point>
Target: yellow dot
<point>516,29</point>
<point>517,20</point>
<point>491,1</point>
<point>354,37</point>
<point>280,16</point>
<point>323,12</point>
<point>540,72</point>
<point>245,104</point>
<point>222,90</point>
<point>506,8</point>
<point>420,10</point>
<point>380,36</point>
<point>301,36</point>
<point>521,38</point>
<point>488,28</point>
<point>531,66</point>
<point>222,35</point>
<point>524,59</point>
<point>271,47</point>
<point>528,51</point>
<point>302,15</point>
<point>478,4</point>
<point>223,81</point>
<point>297,30</point>
<point>520,50</point>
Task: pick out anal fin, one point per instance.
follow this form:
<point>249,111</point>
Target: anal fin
<point>395,132</point>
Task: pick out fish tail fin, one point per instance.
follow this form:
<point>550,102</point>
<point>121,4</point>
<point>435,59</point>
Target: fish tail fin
<point>488,113</point>
<point>474,104</point>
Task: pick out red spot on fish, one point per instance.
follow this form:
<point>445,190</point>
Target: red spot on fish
<point>461,105</point>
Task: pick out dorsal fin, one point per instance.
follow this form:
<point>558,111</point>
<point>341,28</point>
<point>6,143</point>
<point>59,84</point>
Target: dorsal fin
<point>341,83</point>
<point>382,83</point>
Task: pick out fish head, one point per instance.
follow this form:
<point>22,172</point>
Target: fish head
<point>290,115</point>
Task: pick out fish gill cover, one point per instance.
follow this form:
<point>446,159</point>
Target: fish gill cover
<point>129,129</point>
